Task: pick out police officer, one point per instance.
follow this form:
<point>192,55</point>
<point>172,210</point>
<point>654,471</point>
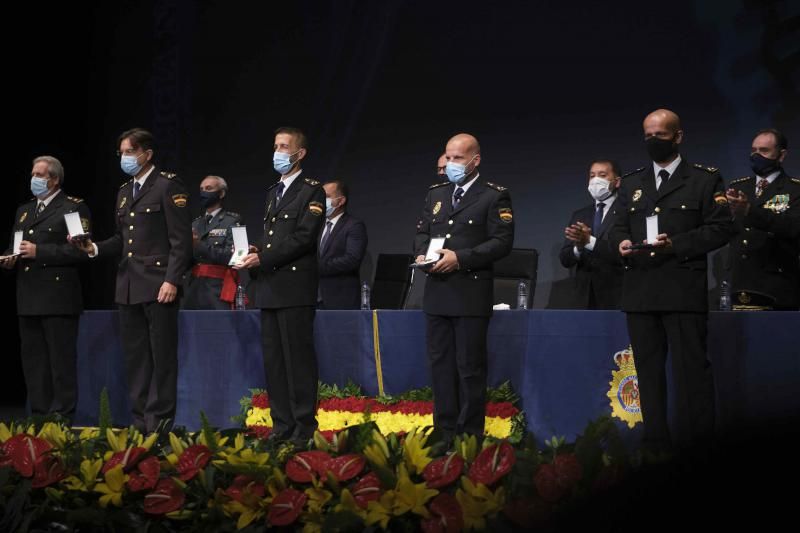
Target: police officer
<point>154,237</point>
<point>476,220</point>
<point>760,260</point>
<point>49,299</point>
<point>664,291</point>
<point>286,289</point>
<point>212,284</point>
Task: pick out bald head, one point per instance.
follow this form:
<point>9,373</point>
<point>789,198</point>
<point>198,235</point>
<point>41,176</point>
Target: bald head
<point>463,149</point>
<point>663,118</point>
<point>465,141</point>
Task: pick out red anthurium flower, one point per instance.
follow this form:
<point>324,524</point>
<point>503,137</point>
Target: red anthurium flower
<point>47,470</point>
<point>302,466</point>
<point>346,467</point>
<point>443,471</point>
<point>145,475</point>
<point>554,481</point>
<point>492,463</point>
<point>242,484</point>
<point>568,469</point>
<point>366,490</point>
<point>23,450</point>
<point>286,507</point>
<point>446,515</point>
<point>192,460</point>
<point>127,458</point>
<point>165,498</point>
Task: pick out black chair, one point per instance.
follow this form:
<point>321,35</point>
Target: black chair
<point>520,265</point>
<point>392,279</point>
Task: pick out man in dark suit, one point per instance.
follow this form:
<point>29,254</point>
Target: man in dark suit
<point>341,250</point>
<point>154,238</point>
<point>475,218</point>
<point>665,287</point>
<point>598,266</point>
<point>767,261</point>
<point>212,283</point>
<point>49,300</point>
<point>786,224</point>
<point>286,289</point>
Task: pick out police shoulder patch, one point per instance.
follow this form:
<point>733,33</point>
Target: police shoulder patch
<point>740,180</point>
<point>437,185</point>
<point>168,175</point>
<point>703,167</point>
<point>180,200</point>
<point>632,172</point>
<point>505,214</point>
<point>74,199</point>
<point>311,181</point>
<point>720,198</point>
<point>315,208</point>
<point>495,186</point>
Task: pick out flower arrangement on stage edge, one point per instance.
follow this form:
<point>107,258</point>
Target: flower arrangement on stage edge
<point>339,408</point>
<point>56,478</point>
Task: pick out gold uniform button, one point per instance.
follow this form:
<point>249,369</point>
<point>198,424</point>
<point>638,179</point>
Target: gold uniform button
<point>273,219</point>
<point>633,209</point>
<point>133,214</point>
<point>58,278</point>
<point>658,210</point>
<point>780,270</point>
<point>744,256</point>
<point>652,254</point>
<point>744,241</point>
<point>130,241</point>
<point>270,232</point>
<point>294,268</point>
<point>27,268</point>
<point>147,210</point>
<point>449,221</point>
<point>470,222</point>
<point>285,216</point>
<point>130,228</point>
<point>747,229</point>
<point>30,232</point>
<point>447,236</point>
<point>130,254</point>
<point>158,263</point>
<point>49,229</point>
<point>269,245</point>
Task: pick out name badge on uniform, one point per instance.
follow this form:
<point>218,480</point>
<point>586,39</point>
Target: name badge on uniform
<point>217,232</point>
<point>240,245</point>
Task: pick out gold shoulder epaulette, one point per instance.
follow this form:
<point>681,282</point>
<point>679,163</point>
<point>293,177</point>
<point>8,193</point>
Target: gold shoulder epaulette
<point>75,199</point>
<point>442,184</point>
<point>795,180</point>
<point>739,180</point>
<point>311,181</point>
<point>126,183</point>
<point>703,167</point>
<point>168,175</point>
<point>632,172</point>
<point>234,215</point>
<point>495,186</point>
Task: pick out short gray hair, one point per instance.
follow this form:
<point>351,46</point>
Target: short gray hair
<point>223,184</point>
<point>54,167</point>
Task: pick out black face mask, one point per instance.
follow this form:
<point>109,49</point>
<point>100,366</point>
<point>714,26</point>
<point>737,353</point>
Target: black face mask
<point>660,149</point>
<point>764,166</point>
<point>209,198</point>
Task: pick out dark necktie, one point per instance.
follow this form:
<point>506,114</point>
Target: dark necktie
<point>136,187</point>
<point>457,197</point>
<point>325,236</point>
<point>762,184</point>
<point>39,209</point>
<point>279,193</point>
<point>664,175</point>
<point>208,219</point>
<point>598,218</point>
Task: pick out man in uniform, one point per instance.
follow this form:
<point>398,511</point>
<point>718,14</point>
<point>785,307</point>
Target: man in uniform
<point>154,237</point>
<point>665,287</point>
<point>598,267</point>
<point>286,289</point>
<point>475,218</point>
<point>212,284</point>
<point>49,300</point>
<point>760,260</point>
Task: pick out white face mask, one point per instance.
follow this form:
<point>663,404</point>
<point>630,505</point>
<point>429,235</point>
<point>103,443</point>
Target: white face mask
<point>600,188</point>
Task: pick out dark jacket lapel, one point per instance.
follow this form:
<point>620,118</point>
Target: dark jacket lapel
<point>49,210</point>
<point>470,197</point>
<point>148,185</point>
<point>676,180</point>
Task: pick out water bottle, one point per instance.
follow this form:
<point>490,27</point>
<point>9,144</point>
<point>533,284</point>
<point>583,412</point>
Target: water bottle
<point>240,300</point>
<point>365,296</point>
<point>522,295</point>
<point>724,297</point>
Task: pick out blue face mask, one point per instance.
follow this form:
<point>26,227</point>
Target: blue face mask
<point>130,164</point>
<point>456,172</point>
<point>329,208</point>
<point>282,162</point>
<point>39,186</point>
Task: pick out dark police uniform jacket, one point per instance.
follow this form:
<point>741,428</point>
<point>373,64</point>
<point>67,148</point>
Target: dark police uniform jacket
<point>154,237</point>
<point>767,261</point>
<point>214,245</point>
<point>480,230</point>
<point>693,212</point>
<point>49,284</point>
<point>288,274</point>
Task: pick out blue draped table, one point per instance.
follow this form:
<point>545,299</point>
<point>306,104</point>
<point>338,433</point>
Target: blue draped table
<point>559,362</point>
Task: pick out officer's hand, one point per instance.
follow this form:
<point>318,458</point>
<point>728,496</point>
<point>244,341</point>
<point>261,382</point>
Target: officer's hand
<point>738,202</point>
<point>250,261</point>
<point>195,237</point>
<point>420,259</point>
<point>447,263</point>
<point>167,293</point>
<point>625,248</point>
<point>84,245</point>
<point>8,262</point>
<point>662,241</point>
<point>579,234</point>
<point>27,250</point>
<point>254,249</point>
